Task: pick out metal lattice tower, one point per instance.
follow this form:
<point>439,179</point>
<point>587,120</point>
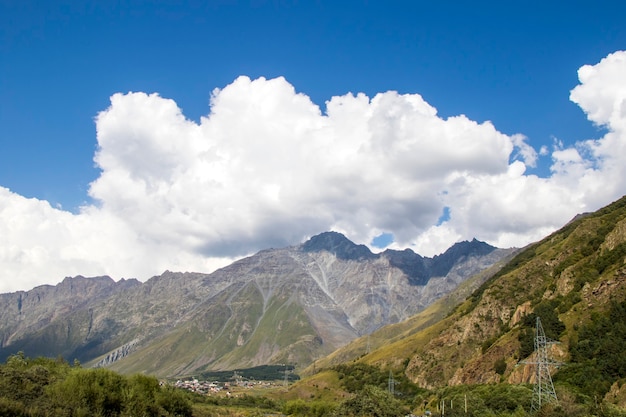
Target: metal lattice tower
<point>543,391</point>
<point>391,384</point>
<point>286,381</point>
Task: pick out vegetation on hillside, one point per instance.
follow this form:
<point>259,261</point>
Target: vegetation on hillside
<point>468,363</point>
<point>51,387</point>
<point>575,281</point>
<point>257,373</point>
<point>569,280</point>
<point>370,396</point>
<point>598,356</point>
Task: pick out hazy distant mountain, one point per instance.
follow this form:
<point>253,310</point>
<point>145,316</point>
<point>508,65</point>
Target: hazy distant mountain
<point>289,305</point>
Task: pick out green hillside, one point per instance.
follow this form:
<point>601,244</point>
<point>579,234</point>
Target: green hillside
<point>574,280</point>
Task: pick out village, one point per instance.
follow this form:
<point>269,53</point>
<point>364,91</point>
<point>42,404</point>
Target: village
<point>217,387</point>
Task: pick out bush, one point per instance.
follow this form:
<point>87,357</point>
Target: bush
<point>313,409</point>
<point>48,387</point>
<point>355,376</point>
<point>11,408</point>
<point>90,392</point>
<point>372,401</point>
<point>173,401</point>
<point>500,366</point>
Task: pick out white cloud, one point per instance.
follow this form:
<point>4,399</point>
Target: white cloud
<point>525,151</point>
<point>41,245</point>
<point>602,91</point>
<point>602,96</point>
<point>267,168</point>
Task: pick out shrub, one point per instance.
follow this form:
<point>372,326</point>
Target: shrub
<point>500,366</point>
<point>372,401</point>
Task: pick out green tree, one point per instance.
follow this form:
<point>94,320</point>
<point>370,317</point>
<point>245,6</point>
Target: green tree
<point>89,392</point>
<point>174,402</point>
<point>597,356</point>
<point>139,395</point>
<point>500,366</point>
<point>372,401</point>
<point>11,408</point>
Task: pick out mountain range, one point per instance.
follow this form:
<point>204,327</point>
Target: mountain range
<point>483,331</point>
<point>288,305</point>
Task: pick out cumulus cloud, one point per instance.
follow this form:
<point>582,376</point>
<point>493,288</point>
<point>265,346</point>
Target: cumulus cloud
<point>267,168</point>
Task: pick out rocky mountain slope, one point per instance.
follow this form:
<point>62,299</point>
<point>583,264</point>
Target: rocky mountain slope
<point>573,280</point>
<point>289,305</point>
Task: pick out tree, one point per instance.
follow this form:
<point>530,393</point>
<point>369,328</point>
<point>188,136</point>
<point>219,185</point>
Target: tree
<point>89,392</point>
<point>372,401</point>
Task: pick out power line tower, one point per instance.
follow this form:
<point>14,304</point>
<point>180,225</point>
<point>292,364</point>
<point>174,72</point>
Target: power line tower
<point>391,384</point>
<point>286,380</point>
<point>543,390</point>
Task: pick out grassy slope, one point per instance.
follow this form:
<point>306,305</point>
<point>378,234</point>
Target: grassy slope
<point>566,274</point>
<point>573,273</point>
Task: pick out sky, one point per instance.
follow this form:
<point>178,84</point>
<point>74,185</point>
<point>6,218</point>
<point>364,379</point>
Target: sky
<point>144,136</point>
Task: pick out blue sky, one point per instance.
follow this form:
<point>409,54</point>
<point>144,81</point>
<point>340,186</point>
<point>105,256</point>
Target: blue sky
<point>511,63</point>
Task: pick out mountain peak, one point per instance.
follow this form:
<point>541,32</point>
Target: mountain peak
<point>338,244</point>
<point>466,247</point>
<point>409,262</point>
<point>444,262</point>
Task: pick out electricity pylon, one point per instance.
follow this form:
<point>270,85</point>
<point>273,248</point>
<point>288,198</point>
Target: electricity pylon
<point>391,384</point>
<point>286,381</point>
<point>543,390</point>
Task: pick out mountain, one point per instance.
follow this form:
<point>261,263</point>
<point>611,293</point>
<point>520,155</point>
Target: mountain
<point>288,305</point>
<point>574,281</point>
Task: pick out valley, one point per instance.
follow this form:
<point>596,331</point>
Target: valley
<point>457,328</point>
